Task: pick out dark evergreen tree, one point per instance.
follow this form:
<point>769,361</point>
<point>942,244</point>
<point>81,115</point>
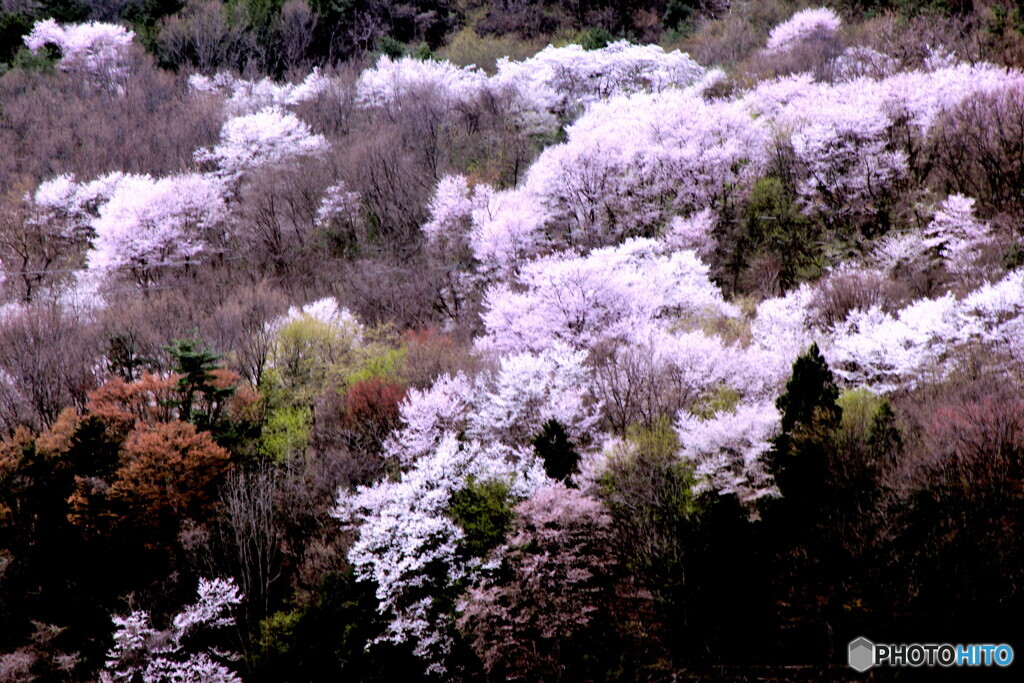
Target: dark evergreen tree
<point>201,397</point>
<point>559,454</point>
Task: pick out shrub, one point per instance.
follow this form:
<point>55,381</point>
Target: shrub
<point>483,509</point>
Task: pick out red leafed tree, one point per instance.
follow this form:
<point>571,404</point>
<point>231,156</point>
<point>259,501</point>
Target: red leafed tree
<point>370,412</point>
<point>168,469</point>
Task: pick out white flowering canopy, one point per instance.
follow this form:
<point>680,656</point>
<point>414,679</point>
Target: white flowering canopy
<point>270,137</point>
<point>95,47</point>
<point>155,222</point>
<point>808,24</point>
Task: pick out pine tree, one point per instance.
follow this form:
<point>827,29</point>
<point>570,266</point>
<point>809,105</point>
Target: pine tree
<point>202,398</point>
<point>809,417</point>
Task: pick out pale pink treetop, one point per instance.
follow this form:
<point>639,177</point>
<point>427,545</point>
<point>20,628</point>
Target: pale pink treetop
<point>153,222</point>
<point>812,23</point>
<point>270,137</point>
<point>97,48</point>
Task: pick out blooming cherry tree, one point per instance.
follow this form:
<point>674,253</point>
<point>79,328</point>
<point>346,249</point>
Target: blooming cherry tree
<point>151,223</point>
<point>141,652</point>
<point>411,549</point>
<point>956,233</point>
<point>808,24</point>
<point>583,301</point>
<point>729,449</point>
<point>97,48</point>
<point>270,137</point>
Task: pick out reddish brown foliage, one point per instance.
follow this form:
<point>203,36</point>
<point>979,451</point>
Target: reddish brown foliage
<point>166,472</point>
<point>120,405</point>
<point>370,409</point>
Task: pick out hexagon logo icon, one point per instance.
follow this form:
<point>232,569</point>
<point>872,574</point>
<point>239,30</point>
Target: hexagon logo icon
<point>862,654</point>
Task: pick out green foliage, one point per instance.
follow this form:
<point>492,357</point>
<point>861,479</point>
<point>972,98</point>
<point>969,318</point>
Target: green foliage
<point>811,393</point>
<point>484,511</point>
<point>202,400</point>
<point>259,13</point>
<point>678,15</point>
<point>13,25</point>
<point>277,632</point>
<point>42,61</point>
<point>422,53</point>
<point>553,446</point>
<point>309,355</point>
<point>326,638</point>
<point>596,38</point>
<point>649,493</point>
<point>720,398</point>
<point>389,47</point>
<point>146,13</point>
<point>858,407</point>
<point>285,432</point>
<point>775,225</point>
<point>467,47</point>
<point>810,418</point>
<point>884,440</point>
<point>657,440</point>
<point>385,364</point>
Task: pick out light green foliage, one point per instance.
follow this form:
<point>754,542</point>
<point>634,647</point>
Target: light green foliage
<point>379,363</point>
<point>859,407</point>
<point>775,226</point>
<point>308,353</point>
<point>466,48</point>
<point>27,60</point>
<point>277,632</point>
<point>285,432</point>
<point>595,38</point>
<point>717,399</point>
<point>657,440</point>
<point>311,356</point>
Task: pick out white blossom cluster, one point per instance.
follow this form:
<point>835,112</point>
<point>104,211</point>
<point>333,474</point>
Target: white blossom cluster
<point>99,49</point>
<point>141,652</point>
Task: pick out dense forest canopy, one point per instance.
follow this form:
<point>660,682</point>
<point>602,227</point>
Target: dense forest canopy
<point>509,340</point>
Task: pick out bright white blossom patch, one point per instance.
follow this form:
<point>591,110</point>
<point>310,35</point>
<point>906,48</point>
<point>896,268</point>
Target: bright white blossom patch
<point>150,223</point>
<point>270,137</point>
<point>141,652</point>
<point>728,450</point>
<point>97,48</point>
<point>808,24</point>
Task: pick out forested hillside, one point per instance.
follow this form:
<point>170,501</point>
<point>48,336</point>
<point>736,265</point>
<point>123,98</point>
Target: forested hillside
<point>512,340</point>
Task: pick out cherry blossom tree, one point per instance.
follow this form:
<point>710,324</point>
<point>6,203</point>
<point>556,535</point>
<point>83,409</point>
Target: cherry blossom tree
<point>632,162</point>
<point>141,652</point>
<point>583,301</point>
<point>956,233</point>
<point>97,48</point>
<point>148,223</point>
<point>530,389</point>
<point>269,137</point>
<point>564,80</point>
<point>412,549</point>
<point>805,25</point>
<point>729,450</point>
<point>558,586</point>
